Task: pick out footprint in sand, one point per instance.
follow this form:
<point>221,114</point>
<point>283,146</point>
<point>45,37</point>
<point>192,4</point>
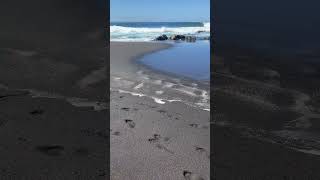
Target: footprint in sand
<point>194,125</point>
<point>130,123</point>
<point>125,109</point>
<point>202,150</point>
<point>191,176</point>
<point>51,150</point>
<point>37,112</point>
<point>155,138</point>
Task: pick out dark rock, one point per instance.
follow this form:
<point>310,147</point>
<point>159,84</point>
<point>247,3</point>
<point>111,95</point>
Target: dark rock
<point>162,38</point>
<point>201,31</point>
<point>177,37</point>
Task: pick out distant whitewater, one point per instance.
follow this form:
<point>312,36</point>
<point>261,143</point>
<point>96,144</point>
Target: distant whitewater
<point>147,31</point>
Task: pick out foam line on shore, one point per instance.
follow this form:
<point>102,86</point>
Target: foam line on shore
<point>160,100</point>
<point>75,101</point>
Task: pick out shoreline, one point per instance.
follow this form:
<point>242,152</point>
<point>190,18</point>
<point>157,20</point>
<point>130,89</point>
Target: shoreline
<point>186,80</point>
<point>184,84</point>
<point>154,131</point>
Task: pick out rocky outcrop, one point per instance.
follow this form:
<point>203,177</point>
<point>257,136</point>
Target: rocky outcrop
<point>177,37</point>
<point>162,38</point>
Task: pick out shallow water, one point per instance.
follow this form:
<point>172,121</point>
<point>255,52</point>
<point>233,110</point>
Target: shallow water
<point>191,60</point>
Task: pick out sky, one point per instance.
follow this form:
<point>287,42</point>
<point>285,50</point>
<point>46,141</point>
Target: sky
<point>159,10</point>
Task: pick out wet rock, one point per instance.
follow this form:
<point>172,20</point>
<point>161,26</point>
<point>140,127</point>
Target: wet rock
<point>162,38</point>
<point>177,37</point>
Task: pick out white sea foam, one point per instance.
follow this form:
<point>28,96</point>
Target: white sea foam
<point>207,25</point>
<point>122,33</point>
<point>138,86</point>
<point>159,92</point>
<point>158,100</point>
<point>179,30</point>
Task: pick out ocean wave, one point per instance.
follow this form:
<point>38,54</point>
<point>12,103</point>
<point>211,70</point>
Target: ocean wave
<point>181,30</point>
<point>206,24</point>
<point>122,33</point>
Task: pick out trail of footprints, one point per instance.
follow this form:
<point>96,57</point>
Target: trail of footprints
<point>158,141</point>
<point>156,138</point>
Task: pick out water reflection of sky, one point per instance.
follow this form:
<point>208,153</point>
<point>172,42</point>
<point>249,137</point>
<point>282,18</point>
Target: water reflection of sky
<point>190,60</point>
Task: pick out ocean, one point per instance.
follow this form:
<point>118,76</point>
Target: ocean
<point>147,31</point>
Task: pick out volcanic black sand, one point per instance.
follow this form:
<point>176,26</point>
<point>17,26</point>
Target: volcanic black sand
<point>265,115</point>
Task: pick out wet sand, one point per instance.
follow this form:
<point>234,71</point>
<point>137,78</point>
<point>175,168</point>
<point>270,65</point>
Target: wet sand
<point>265,123</point>
<point>158,131</point>
<point>54,113</point>
<point>53,110</point>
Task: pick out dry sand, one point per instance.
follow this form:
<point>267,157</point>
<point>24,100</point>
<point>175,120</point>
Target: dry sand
<point>157,129</point>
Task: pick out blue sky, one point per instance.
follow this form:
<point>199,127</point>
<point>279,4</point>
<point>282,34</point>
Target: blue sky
<point>160,10</point>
